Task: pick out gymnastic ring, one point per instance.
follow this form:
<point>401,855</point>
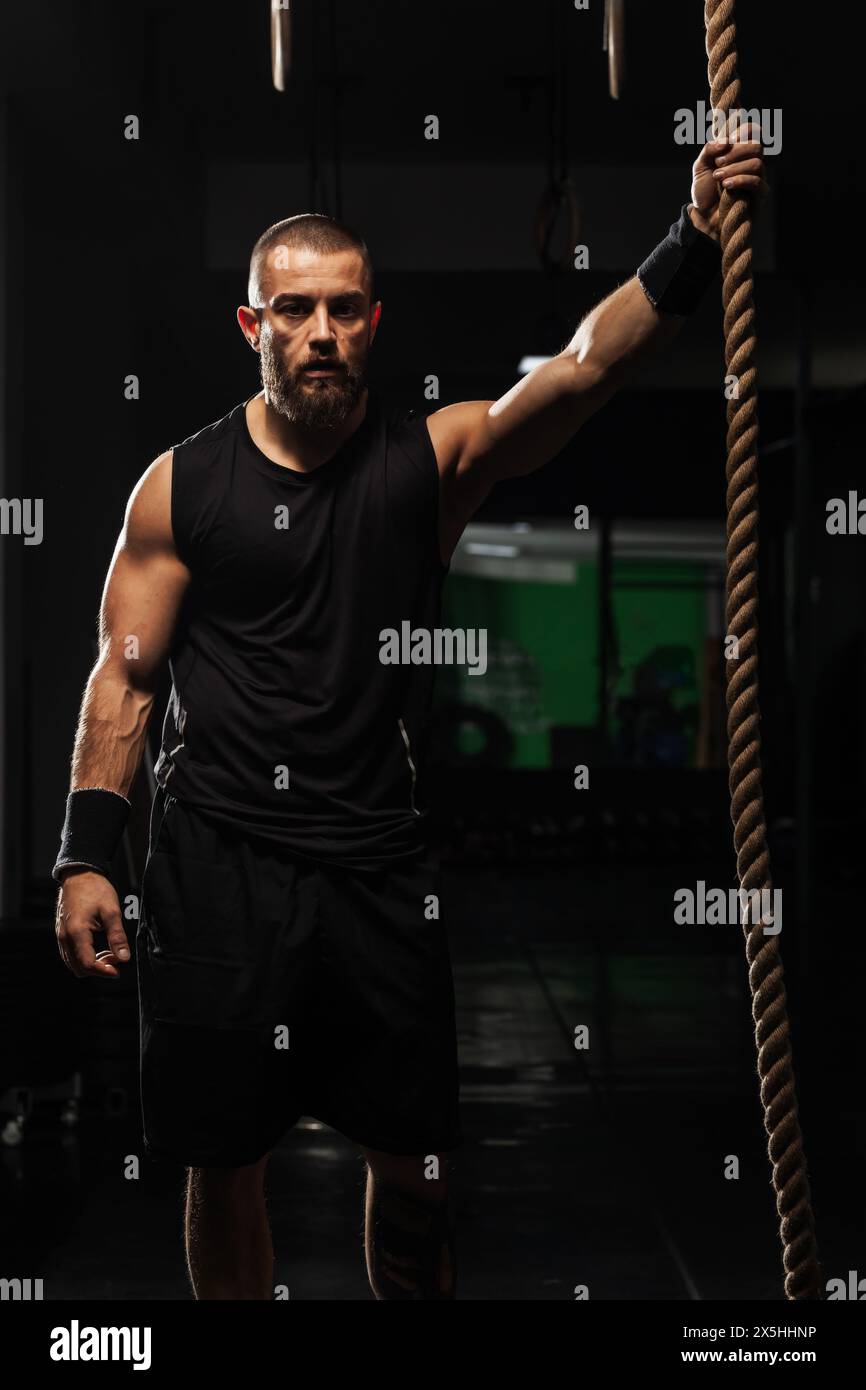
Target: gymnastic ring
<point>281,44</point>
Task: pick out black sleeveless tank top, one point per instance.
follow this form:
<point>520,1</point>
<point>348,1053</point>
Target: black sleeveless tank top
<point>283,721</point>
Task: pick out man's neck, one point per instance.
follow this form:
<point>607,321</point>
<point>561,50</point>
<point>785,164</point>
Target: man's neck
<point>296,446</point>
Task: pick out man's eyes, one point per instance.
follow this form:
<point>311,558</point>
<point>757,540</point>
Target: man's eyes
<point>343,310</point>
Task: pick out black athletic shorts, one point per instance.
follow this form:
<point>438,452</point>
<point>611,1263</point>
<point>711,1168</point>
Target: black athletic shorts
<point>273,986</point>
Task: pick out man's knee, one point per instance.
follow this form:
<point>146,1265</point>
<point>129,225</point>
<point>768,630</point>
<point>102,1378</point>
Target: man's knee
<point>228,1186</point>
<point>424,1175</point>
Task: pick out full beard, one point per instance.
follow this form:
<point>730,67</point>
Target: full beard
<point>316,403</point>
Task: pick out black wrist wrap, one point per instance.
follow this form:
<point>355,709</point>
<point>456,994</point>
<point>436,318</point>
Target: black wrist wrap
<point>94,825</point>
<point>675,275</point>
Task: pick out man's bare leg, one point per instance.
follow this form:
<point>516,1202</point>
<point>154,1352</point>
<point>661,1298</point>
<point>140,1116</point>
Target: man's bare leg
<point>410,1253</point>
<point>228,1239</point>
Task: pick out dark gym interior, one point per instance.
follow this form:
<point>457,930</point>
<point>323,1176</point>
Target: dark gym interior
<point>125,259</point>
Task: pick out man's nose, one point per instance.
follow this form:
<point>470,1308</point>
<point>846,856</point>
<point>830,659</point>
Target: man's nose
<point>322,328</point>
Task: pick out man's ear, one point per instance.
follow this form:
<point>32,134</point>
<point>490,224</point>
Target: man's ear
<point>375,315</point>
<point>250,327</point>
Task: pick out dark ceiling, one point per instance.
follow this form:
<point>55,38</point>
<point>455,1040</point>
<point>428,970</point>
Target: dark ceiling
<point>221,153</point>
<point>482,67</point>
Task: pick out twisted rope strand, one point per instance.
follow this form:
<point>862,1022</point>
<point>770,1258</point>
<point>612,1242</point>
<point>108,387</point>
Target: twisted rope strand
<point>803,1276</point>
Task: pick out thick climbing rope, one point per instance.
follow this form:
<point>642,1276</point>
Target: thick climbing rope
<point>803,1277</point>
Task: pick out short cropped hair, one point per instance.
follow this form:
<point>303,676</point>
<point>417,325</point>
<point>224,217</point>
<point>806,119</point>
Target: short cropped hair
<point>314,231</point>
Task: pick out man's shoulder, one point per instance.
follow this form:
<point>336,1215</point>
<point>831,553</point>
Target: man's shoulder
<point>210,436</point>
<point>450,427</point>
<point>395,413</point>
<point>407,432</point>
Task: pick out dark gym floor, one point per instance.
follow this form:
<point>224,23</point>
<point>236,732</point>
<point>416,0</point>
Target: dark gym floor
<point>602,1167</point>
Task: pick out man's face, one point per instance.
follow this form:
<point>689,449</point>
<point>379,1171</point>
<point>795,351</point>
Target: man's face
<point>315,333</point>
